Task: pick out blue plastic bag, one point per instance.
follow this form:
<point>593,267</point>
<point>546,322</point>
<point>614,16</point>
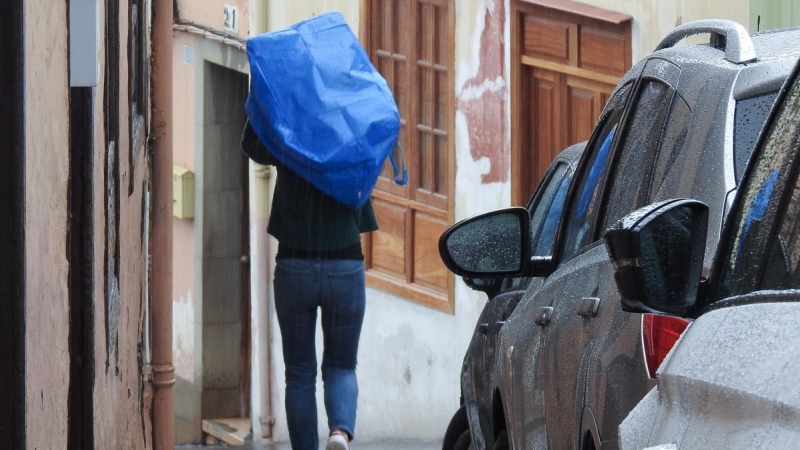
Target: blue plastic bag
<point>320,107</point>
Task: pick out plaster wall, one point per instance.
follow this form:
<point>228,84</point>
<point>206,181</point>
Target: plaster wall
<point>120,398</point>
<point>117,390</point>
<point>410,356</point>
<point>282,13</point>
<point>652,20</point>
<point>192,53</point>
<point>46,269</point>
<point>769,14</point>
<point>210,13</point>
<point>185,306</point>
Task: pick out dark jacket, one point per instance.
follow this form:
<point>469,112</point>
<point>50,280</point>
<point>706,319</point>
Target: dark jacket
<point>302,217</point>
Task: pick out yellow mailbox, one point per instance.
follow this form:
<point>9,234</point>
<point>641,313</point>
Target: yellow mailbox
<point>182,193</point>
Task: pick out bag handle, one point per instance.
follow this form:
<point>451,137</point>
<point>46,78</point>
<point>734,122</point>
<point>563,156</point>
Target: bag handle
<point>398,178</point>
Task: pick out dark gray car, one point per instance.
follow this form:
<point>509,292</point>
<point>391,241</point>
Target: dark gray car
<point>569,364</point>
<point>544,208</point>
<point>732,380</point>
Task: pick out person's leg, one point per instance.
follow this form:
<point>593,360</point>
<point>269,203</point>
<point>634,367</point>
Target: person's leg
<point>296,295</point>
<point>343,306</point>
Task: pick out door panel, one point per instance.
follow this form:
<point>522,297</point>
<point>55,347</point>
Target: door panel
<point>567,340</point>
<point>566,64</point>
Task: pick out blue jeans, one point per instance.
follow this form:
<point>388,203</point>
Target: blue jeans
<point>337,288</point>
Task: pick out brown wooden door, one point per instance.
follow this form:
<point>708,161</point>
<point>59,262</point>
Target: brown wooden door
<point>567,57</point>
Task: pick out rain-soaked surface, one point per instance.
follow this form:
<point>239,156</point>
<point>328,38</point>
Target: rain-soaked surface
<point>487,245</point>
<point>356,445</point>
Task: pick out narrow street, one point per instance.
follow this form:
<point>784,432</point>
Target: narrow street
<point>355,445</point>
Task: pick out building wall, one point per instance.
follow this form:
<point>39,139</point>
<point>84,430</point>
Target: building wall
<point>198,361</point>
<point>116,398</point>
<point>769,14</point>
<point>210,13</point>
<point>653,19</point>
<point>410,356</point>
<point>120,397</point>
<point>46,176</point>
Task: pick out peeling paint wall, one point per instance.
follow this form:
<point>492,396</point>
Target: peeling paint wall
<point>185,306</point>
<point>46,175</point>
<point>120,396</point>
<point>410,356</point>
<point>482,106</point>
<point>116,397</point>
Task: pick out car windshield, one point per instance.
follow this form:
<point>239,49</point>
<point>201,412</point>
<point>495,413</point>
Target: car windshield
<point>763,251</point>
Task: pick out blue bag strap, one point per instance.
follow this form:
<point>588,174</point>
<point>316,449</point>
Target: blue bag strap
<point>398,178</point>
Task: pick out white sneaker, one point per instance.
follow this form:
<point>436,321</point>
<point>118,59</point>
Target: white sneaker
<point>337,442</point>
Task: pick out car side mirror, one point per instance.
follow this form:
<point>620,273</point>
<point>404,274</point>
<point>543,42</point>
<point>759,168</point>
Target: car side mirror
<point>492,245</point>
<point>657,253</point>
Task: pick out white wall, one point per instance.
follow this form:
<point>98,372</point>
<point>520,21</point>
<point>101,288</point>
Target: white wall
<point>410,356</point>
<point>653,19</point>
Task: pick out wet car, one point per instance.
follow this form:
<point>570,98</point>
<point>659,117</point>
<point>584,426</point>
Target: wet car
<point>732,380</point>
<point>569,364</point>
<point>544,209</point>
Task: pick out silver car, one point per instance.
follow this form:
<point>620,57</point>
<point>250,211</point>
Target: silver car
<point>569,364</point>
<point>733,380</point>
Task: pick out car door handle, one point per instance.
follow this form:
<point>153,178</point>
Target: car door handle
<point>485,329</point>
<point>588,307</point>
<point>543,316</point>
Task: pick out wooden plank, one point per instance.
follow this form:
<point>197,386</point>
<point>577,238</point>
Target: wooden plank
<point>546,38</point>
<point>231,431</point>
<point>582,9</point>
<point>428,267</point>
<point>388,243</point>
<point>563,68</point>
<point>603,52</point>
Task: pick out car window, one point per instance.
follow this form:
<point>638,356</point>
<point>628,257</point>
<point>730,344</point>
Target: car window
<point>651,146</point>
<point>586,200</point>
<point>763,249</point>
<point>547,210</point>
<point>750,116</point>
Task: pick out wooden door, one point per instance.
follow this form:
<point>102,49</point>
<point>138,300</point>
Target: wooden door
<point>566,59</point>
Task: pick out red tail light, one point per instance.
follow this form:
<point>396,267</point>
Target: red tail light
<point>659,335</point>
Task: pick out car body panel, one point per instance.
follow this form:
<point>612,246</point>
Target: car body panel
<point>548,379</point>
<point>477,384</point>
<point>731,382</point>
<point>732,379</point>
<point>575,363</point>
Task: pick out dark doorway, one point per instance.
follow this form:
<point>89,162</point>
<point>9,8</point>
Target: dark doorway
<point>80,243</point>
<point>12,232</point>
<point>224,222</point>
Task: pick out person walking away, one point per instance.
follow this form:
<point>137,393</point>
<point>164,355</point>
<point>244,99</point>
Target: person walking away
<point>319,266</point>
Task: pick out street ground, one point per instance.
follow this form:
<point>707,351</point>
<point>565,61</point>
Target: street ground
<point>354,445</point>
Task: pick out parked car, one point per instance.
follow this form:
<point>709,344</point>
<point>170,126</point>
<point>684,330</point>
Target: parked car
<point>732,380</point>
<point>569,364</point>
<point>544,210</point>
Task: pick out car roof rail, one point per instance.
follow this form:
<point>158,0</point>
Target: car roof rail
<point>726,35</point>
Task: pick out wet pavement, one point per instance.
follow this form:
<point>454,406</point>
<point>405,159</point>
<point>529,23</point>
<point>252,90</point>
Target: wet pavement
<point>354,445</point>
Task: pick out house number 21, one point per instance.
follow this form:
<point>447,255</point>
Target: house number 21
<point>231,22</point>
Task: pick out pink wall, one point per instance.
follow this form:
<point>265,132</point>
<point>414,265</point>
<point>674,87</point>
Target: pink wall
<point>118,396</point>
<point>210,13</point>
<point>46,174</point>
